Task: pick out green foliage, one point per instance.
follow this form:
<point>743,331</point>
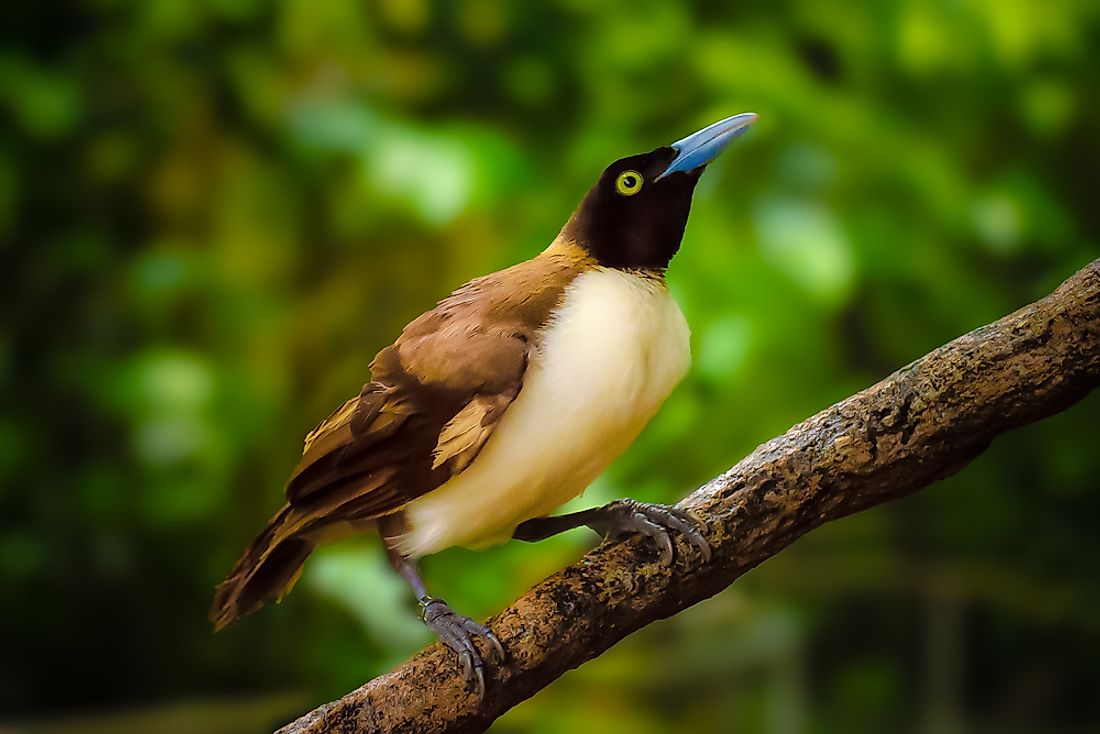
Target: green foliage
<point>214,213</point>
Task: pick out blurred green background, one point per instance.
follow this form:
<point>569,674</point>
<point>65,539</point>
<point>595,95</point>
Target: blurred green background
<point>214,213</point>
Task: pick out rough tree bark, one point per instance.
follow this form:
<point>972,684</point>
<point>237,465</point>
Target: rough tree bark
<point>922,423</point>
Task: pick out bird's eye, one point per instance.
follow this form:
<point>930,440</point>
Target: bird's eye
<point>628,183</point>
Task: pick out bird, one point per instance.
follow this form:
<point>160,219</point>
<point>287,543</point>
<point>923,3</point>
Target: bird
<point>504,402</point>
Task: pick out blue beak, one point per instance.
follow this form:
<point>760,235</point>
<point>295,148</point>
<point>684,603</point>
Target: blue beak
<point>699,149</point>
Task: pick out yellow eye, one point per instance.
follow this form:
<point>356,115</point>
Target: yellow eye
<point>628,183</point>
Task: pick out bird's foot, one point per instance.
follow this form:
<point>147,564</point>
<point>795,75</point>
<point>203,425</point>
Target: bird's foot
<point>457,632</point>
<point>626,516</point>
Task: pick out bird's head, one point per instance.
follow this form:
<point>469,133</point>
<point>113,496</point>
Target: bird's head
<point>634,216</point>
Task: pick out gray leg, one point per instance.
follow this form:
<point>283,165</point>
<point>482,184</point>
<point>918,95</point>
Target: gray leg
<point>623,517</point>
<point>453,630</point>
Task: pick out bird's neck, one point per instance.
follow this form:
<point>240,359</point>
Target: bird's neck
<point>565,248</point>
<point>631,244</point>
<point>610,251</point>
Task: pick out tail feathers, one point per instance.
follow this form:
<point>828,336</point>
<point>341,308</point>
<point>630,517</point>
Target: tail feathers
<point>266,571</point>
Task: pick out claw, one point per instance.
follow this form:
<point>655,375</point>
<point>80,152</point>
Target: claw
<point>480,683</point>
<point>689,525</point>
<point>467,665</point>
<point>455,631</point>
<point>654,521</point>
<point>495,642</point>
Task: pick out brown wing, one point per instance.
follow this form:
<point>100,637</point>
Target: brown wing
<point>434,400</point>
<point>431,405</point>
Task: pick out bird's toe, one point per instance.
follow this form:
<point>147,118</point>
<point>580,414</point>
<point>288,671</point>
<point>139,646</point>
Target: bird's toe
<point>457,631</point>
<point>655,521</point>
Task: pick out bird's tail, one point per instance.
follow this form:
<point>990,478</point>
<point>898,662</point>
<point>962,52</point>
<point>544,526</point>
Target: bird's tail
<point>266,570</point>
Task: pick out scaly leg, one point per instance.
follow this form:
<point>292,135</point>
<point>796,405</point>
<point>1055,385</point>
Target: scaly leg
<point>623,517</point>
<point>453,629</point>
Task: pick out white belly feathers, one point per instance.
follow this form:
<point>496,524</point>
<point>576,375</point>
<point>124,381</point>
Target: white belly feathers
<point>611,354</point>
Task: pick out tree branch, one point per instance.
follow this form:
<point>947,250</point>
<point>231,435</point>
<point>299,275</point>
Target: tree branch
<point>924,422</point>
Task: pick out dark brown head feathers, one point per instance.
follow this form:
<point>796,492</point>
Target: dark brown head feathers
<point>631,220</point>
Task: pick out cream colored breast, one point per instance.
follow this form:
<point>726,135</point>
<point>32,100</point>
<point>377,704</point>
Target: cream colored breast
<point>612,353</point>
